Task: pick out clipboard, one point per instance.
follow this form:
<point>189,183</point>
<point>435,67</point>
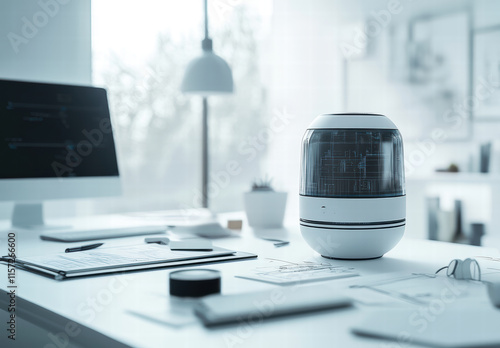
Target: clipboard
<point>63,266</point>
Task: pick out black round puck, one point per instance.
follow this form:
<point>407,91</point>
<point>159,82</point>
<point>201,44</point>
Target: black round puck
<point>194,282</point>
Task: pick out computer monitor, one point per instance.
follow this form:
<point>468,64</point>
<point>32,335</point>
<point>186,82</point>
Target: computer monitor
<point>56,142</point>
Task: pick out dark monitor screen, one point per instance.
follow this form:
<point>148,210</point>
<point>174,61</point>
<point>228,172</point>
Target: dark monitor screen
<point>52,130</point>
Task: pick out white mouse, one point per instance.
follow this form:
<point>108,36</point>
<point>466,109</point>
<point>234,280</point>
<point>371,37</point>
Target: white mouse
<point>208,229</point>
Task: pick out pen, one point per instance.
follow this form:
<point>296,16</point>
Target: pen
<point>84,247</point>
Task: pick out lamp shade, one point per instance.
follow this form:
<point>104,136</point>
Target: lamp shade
<point>208,74</point>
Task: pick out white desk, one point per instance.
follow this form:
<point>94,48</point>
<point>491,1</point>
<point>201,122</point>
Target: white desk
<point>100,305</point>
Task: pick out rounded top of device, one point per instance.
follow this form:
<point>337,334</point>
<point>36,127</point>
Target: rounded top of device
<point>352,121</point>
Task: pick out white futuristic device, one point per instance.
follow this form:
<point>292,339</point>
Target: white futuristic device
<point>352,186</point>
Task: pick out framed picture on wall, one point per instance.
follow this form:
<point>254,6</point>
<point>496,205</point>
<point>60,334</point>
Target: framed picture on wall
<point>439,70</point>
<point>486,74</point>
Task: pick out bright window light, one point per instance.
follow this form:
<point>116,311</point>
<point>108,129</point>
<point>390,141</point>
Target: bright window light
<point>140,52</point>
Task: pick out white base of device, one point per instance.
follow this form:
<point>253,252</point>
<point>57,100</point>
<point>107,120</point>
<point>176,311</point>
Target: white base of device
<point>359,244</point>
<point>352,228</point>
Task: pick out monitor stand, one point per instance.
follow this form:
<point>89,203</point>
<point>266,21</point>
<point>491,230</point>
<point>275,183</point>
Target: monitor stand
<point>30,216</point>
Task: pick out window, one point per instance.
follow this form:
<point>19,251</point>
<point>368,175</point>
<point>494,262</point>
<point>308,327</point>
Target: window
<point>140,52</point>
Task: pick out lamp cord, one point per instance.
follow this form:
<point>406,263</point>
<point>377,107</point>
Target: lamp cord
<point>206,19</point>
<point>206,43</point>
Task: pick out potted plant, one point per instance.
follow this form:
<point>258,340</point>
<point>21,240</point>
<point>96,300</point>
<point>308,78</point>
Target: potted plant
<point>264,207</point>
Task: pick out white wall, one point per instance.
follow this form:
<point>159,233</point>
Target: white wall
<point>49,41</point>
<point>304,81</point>
<point>46,40</point>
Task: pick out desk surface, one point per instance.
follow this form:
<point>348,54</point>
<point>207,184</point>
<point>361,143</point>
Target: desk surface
<point>105,303</point>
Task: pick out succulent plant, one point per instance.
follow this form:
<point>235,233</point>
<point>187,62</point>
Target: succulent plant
<point>263,184</point>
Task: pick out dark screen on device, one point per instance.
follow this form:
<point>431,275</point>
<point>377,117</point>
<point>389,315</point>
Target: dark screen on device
<point>50,130</point>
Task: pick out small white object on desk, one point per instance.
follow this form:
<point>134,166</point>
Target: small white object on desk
<point>210,229</point>
<point>157,240</point>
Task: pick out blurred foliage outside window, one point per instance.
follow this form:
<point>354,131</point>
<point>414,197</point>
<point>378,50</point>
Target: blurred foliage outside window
<point>158,129</point>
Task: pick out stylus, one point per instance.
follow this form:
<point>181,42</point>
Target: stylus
<point>84,247</point>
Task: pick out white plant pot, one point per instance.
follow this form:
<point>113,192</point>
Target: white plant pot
<point>265,209</point>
